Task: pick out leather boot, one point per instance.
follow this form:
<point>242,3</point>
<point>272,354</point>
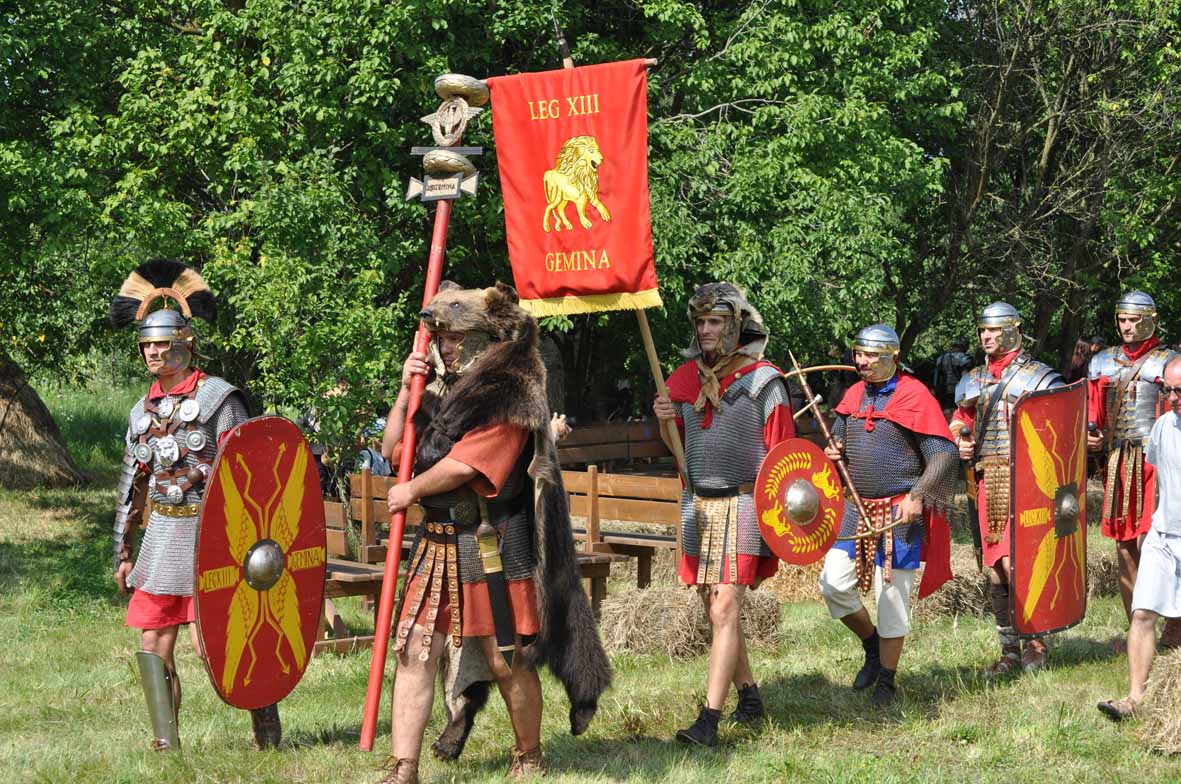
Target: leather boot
<point>868,674</point>
<point>750,704</point>
<point>267,729</point>
<point>526,763</point>
<point>400,771</point>
<point>704,731</point>
<point>884,690</point>
<point>1010,653</point>
<point>1033,658</point>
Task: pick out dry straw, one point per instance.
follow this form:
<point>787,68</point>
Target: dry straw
<point>1161,727</point>
<point>672,621</point>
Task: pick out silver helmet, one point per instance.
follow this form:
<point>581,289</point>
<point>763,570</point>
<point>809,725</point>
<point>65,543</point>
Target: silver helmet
<point>165,280</point>
<point>1137,303</point>
<point>881,341</point>
<point>1005,316</point>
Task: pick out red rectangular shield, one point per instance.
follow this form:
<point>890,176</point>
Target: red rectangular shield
<point>1048,513</point>
<point>572,149</point>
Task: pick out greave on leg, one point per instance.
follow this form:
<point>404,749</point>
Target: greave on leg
<point>161,690</point>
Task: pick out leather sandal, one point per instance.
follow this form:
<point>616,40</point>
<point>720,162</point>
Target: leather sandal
<point>1118,710</point>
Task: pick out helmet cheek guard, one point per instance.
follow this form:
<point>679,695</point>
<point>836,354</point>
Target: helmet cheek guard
<point>882,342</point>
<point>1005,316</point>
<point>1137,303</point>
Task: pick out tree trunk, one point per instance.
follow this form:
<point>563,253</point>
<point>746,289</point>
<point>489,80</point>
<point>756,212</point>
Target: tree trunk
<point>32,452</point>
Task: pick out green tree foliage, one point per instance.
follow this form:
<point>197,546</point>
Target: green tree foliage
<point>847,161</point>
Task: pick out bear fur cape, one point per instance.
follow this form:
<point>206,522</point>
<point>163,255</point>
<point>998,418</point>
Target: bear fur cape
<point>506,384</point>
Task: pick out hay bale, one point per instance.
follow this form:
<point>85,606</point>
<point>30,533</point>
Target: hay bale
<point>966,593</point>
<point>672,621</point>
<point>795,583</point>
<point>1161,725</point>
<point>1102,572</point>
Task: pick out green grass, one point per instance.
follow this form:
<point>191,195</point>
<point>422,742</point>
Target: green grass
<point>71,708</point>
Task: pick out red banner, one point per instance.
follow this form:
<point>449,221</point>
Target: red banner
<point>1048,523</point>
<point>572,147</point>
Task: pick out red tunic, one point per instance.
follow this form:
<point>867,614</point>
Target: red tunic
<point>493,451</point>
<point>1123,528</point>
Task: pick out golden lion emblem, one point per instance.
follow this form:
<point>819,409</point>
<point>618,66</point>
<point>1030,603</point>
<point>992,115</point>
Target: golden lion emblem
<point>574,179</point>
<point>823,481</point>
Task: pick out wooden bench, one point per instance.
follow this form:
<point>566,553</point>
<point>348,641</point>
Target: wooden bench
<point>597,496</point>
<point>599,443</point>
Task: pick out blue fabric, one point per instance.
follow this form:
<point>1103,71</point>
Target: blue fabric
<point>906,554</point>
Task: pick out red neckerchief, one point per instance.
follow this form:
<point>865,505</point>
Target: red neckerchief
<point>183,388</point>
<point>685,383</point>
<point>997,366</point>
<point>1144,347</point>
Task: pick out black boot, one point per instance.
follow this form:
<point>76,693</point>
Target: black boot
<point>750,705</point>
<point>267,729</point>
<point>704,731</point>
<point>868,674</point>
<point>884,691</point>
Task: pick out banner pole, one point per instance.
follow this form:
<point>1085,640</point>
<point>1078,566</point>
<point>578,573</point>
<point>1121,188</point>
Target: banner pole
<point>393,556</point>
<point>671,435</point>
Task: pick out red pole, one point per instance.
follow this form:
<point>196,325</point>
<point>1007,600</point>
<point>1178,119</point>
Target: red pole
<point>393,555</point>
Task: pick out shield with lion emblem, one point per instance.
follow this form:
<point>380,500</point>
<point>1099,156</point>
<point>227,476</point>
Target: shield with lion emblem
<point>798,501</point>
<point>259,563</point>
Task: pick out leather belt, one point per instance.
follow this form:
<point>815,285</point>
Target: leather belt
<point>185,510</point>
<point>729,491</point>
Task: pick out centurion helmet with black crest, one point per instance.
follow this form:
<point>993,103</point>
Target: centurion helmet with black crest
<point>167,281</point>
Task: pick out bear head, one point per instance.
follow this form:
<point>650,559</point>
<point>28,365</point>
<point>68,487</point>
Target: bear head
<point>494,311</point>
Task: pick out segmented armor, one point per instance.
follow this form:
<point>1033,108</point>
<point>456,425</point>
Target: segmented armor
<point>722,461</point>
<point>1136,409</point>
<point>172,443</point>
<point>977,387</point>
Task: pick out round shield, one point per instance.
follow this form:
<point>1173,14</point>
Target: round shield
<point>259,563</point>
<point>798,501</point>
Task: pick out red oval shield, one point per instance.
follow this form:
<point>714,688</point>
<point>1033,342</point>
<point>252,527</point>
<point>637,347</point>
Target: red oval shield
<point>1048,510</point>
<point>259,563</point>
<point>798,501</point>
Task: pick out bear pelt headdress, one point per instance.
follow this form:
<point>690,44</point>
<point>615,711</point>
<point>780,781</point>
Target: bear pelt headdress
<point>506,384</point>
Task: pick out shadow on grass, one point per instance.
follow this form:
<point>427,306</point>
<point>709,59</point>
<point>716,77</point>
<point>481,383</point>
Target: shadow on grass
<point>335,735</point>
<point>70,566</point>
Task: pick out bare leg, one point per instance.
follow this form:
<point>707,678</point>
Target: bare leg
<point>1141,650</point>
<point>1128,555</point>
<point>724,607</point>
<point>521,690</point>
<point>161,642</point>
<point>860,624</point>
<point>891,648</point>
<point>414,693</point>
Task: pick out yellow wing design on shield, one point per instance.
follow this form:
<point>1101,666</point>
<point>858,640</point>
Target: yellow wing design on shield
<point>285,523</point>
<point>241,529</point>
<point>1044,471</point>
<point>285,605</point>
<point>240,630</point>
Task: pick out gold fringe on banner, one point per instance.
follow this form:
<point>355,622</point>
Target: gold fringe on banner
<point>592,303</point>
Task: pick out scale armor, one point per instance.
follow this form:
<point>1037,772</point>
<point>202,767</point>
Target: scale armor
<point>976,387</point>
<point>729,453</point>
<point>1141,399</point>
<point>164,564</point>
<point>892,460</point>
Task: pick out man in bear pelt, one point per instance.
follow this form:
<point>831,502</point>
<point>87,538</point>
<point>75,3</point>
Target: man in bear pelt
<point>732,407</point>
<point>494,552</point>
